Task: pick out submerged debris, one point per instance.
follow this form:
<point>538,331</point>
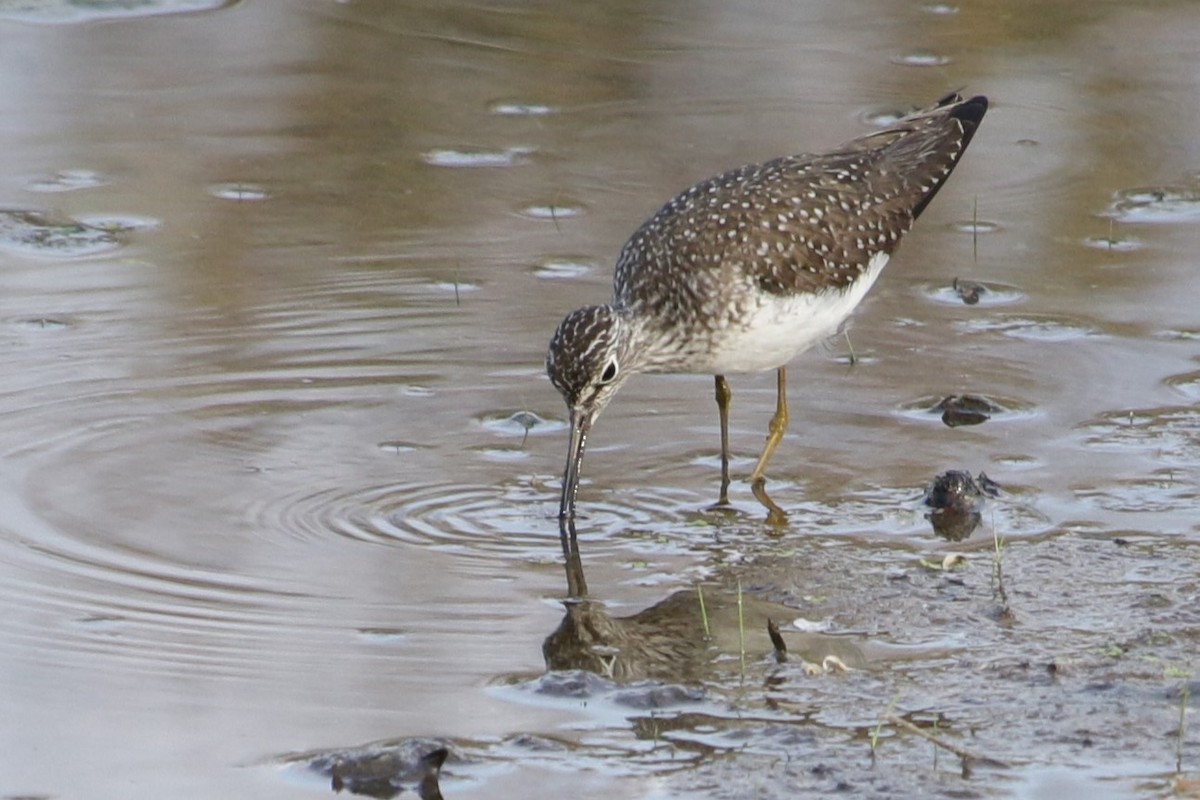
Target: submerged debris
<point>968,759</point>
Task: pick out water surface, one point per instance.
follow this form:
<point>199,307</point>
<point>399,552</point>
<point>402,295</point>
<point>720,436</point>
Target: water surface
<point>280,463</point>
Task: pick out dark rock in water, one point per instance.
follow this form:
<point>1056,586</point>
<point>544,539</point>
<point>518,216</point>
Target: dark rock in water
<point>969,291</point>
<point>966,409</point>
<point>955,487</point>
<point>957,501</point>
<point>385,770</point>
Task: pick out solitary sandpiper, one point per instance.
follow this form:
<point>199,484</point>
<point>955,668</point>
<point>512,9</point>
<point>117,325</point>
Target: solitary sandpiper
<point>743,271</point>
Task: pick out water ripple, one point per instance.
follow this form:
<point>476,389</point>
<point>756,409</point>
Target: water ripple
<point>1171,433</point>
<point>1187,385</point>
<point>67,180</point>
<point>1156,205</point>
<point>921,58</point>
<point>65,11</point>
<point>179,478</point>
<point>517,520</point>
<point>36,233</point>
<point>564,268</point>
<point>464,157</point>
<point>518,108</point>
<point>932,408</point>
<point>1031,327</point>
<point>986,294</point>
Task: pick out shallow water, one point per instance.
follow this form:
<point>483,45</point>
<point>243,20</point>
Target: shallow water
<point>281,463</point>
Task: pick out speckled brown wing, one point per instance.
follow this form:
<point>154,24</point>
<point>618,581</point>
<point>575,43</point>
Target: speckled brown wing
<point>795,224</point>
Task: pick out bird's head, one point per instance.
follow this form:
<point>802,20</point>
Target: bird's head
<point>590,357</point>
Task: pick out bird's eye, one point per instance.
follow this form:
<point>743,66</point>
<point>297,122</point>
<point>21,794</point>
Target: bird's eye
<point>610,372</point>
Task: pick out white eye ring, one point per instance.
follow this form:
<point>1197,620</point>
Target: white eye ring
<point>610,372</point>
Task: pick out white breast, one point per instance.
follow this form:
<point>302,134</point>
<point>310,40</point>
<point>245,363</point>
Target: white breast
<point>783,327</point>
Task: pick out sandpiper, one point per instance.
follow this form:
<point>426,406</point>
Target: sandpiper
<point>745,270</point>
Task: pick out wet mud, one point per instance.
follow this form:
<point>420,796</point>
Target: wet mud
<point>993,675</point>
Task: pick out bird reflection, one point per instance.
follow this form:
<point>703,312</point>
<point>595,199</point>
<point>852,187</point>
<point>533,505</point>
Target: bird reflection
<point>677,640</point>
<point>385,771</point>
<point>666,641</point>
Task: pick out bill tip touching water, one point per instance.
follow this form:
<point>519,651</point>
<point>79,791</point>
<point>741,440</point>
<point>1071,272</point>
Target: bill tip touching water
<point>745,270</point>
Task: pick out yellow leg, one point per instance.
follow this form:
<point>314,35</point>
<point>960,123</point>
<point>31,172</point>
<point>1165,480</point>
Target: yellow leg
<point>724,395</point>
<point>779,422</point>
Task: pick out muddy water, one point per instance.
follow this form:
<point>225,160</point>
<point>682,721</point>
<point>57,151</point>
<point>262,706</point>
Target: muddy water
<point>280,464</point>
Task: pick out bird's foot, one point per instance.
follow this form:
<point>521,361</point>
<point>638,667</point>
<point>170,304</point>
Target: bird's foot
<point>722,506</point>
<point>776,516</point>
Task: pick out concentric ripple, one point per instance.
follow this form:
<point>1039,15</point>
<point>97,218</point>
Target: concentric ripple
<point>552,210</point>
<point>518,520</point>
<point>564,268</point>
<point>520,108</point>
<point>921,58</point>
<point>239,191</point>
<point>67,180</point>
<point>1161,494</point>
<point>1171,434</point>
<point>469,157</point>
<point>1156,205</point>
<point>180,476</point>
<point>466,519</point>
<point>1113,244</point>
<point>1031,327</point>
<point>520,423</point>
<point>1187,385</point>
<point>975,226</point>
<point>986,294</point>
<point>932,408</point>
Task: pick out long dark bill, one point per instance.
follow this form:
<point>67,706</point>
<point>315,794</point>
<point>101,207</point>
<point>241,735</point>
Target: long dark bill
<point>581,425</point>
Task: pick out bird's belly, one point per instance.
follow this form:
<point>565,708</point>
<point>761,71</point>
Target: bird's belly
<point>780,327</point>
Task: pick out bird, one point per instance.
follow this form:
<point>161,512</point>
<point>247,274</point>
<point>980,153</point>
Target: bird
<point>743,271</point>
